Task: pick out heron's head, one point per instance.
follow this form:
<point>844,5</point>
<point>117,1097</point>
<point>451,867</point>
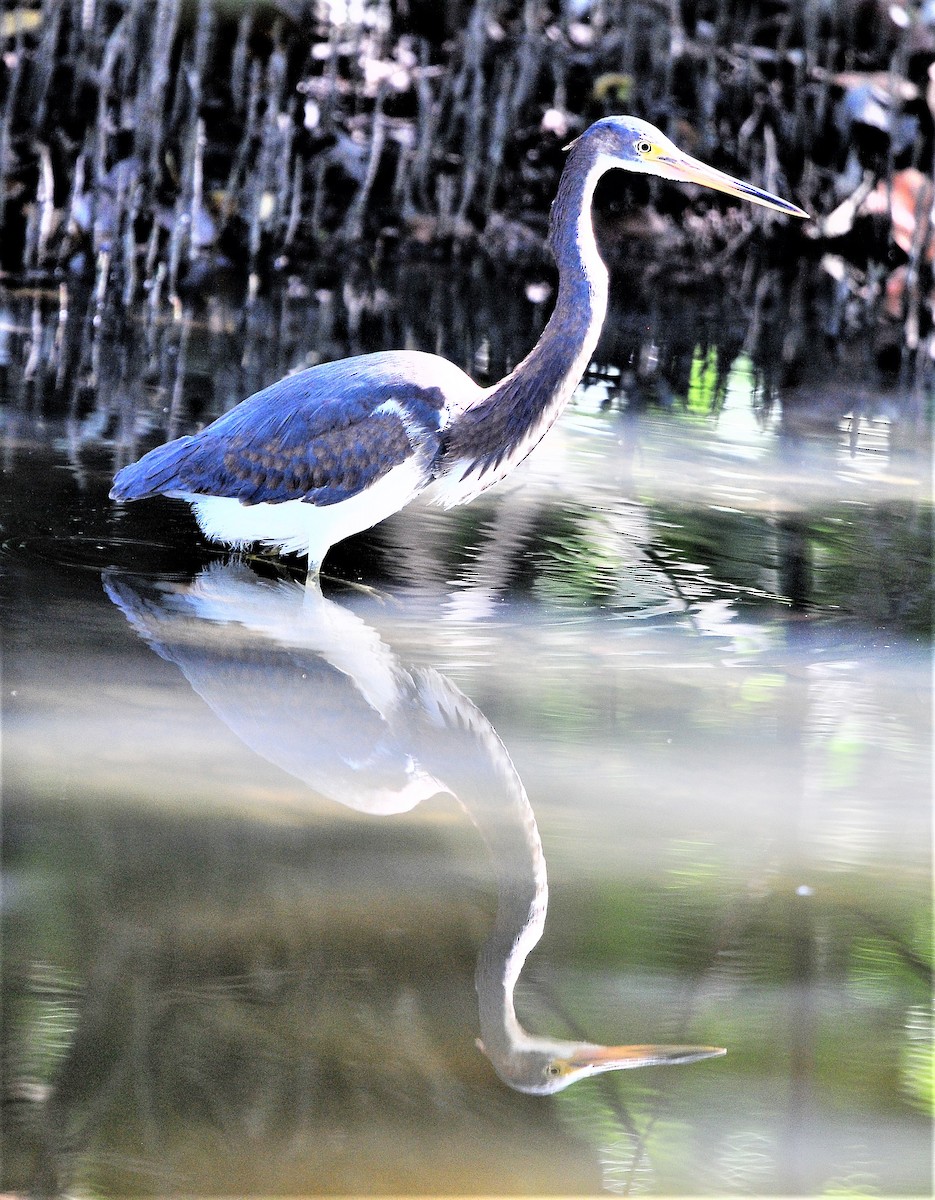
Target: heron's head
<point>543,1066</point>
<point>635,145</point>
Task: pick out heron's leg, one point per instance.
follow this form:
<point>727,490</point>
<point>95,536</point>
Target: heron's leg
<point>364,589</point>
<point>269,561</point>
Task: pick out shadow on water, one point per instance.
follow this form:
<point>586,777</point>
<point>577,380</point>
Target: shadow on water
<point>700,621</point>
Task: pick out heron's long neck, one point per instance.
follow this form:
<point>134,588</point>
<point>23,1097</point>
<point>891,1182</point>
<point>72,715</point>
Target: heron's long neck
<point>500,429</point>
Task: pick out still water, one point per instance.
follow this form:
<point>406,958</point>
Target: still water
<point>635,749</point>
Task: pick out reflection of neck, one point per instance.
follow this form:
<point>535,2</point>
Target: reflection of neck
<point>481,774</point>
<point>522,900</point>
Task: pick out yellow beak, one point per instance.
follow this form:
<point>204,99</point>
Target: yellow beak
<point>619,1058</point>
<point>679,166</point>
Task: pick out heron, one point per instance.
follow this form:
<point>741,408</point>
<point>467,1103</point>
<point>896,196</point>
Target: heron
<point>332,450</point>
<point>312,688</point>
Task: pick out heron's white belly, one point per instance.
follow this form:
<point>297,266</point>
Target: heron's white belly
<point>297,527</point>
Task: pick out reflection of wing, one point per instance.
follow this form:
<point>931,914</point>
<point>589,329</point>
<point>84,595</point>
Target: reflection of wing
<point>292,704</point>
<point>321,436</point>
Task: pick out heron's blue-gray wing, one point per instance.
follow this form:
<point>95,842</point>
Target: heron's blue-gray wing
<point>321,436</point>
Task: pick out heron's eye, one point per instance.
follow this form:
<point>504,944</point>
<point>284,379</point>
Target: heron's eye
<point>644,147</point>
<point>553,1069</point>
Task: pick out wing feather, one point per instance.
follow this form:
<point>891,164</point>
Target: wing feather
<point>320,436</point>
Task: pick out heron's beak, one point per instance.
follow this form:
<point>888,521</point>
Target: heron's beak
<point>620,1058</point>
<point>682,167</point>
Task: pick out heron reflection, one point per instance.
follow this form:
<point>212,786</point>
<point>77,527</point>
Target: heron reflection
<point>312,688</point>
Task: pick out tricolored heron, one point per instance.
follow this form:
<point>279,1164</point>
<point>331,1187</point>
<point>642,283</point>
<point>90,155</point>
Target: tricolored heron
<point>312,688</point>
<point>334,449</point>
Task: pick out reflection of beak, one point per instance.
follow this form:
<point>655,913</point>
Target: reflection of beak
<point>682,167</point>
<point>619,1058</point>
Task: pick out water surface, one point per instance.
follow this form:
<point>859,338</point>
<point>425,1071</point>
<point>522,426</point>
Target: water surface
<point>261,856</point>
